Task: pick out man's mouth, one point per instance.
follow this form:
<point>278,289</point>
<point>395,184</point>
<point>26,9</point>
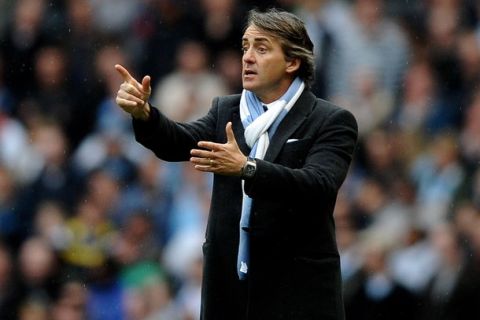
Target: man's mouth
<point>249,72</point>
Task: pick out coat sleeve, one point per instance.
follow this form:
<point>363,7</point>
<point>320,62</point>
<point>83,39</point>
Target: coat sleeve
<point>170,140</point>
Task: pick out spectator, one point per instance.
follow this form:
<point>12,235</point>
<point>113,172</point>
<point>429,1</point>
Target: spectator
<point>469,55</point>
<point>56,181</point>
<point>220,25</point>
<point>33,309</point>
<point>417,102</point>
<point>322,20</point>
<point>188,296</point>
<point>113,17</point>
<point>415,262</point>
<point>70,302</point>
<point>104,289</point>
<point>158,23</point>
<point>450,294</point>
<point>437,175</point>
<point>81,46</point>
<point>372,40</point>
<point>152,194</point>
<point>228,65</point>
<point>9,291</point>
<point>91,236</point>
<point>186,93</point>
<point>376,210</point>
<point>22,40</point>
<point>379,156</point>
<point>380,296</point>
<point>136,242</point>
<point>443,24</point>
<point>17,155</point>
<point>49,224</point>
<point>39,274</point>
<point>470,132</point>
<point>52,88</point>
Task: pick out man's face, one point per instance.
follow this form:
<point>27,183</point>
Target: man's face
<point>265,71</point>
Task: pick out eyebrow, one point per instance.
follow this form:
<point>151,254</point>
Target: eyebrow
<point>257,39</point>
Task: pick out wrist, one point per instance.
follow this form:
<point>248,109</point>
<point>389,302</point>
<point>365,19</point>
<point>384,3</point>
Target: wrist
<point>142,114</point>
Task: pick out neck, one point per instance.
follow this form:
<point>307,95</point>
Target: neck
<point>274,94</point>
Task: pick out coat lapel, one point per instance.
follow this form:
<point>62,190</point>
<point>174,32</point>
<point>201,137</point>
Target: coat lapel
<point>239,132</point>
<point>289,124</point>
<point>287,127</point>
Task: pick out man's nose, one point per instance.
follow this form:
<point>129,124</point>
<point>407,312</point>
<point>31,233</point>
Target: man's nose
<point>248,56</point>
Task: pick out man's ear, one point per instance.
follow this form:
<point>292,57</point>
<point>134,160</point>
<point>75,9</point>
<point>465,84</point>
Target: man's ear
<point>293,65</point>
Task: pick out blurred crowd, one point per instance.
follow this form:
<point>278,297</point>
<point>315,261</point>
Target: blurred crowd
<point>93,226</point>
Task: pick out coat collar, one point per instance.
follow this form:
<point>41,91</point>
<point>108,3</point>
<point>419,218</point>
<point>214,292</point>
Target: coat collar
<point>287,127</point>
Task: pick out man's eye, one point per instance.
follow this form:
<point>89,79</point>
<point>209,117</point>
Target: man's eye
<point>262,50</point>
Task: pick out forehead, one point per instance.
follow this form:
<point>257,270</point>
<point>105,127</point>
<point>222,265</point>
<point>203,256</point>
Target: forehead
<point>252,33</point>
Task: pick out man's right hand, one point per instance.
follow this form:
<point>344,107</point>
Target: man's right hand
<point>133,95</point>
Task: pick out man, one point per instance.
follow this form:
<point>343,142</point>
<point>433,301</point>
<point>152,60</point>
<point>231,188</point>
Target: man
<point>270,250</point>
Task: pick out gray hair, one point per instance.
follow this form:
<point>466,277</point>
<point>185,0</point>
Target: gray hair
<point>293,37</point>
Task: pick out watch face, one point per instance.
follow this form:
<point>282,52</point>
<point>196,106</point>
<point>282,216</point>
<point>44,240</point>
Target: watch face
<point>250,169</point>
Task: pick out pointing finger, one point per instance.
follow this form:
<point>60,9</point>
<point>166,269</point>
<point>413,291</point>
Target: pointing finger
<point>127,77</point>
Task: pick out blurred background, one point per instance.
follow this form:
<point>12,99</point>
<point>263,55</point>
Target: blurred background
<point>93,226</point>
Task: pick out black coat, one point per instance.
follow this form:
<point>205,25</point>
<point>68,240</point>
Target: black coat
<point>294,270</point>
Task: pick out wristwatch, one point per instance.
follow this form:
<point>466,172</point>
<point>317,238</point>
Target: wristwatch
<point>248,170</point>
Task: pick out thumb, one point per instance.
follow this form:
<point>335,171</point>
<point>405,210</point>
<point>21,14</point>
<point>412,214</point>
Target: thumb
<point>146,84</point>
<point>229,132</point>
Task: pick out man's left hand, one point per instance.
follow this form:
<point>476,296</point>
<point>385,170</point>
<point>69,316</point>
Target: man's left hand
<point>221,158</point>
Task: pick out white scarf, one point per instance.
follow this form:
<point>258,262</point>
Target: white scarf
<point>259,126</point>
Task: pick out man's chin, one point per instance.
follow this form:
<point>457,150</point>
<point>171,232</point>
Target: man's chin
<point>248,85</point>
